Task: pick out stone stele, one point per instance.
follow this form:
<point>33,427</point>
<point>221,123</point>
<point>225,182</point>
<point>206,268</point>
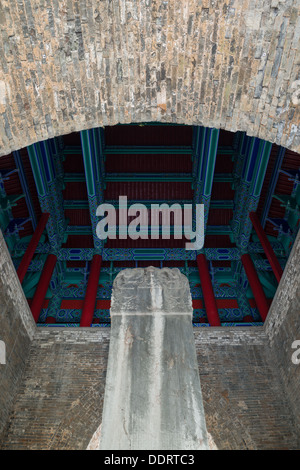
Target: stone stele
<point>153,399</point>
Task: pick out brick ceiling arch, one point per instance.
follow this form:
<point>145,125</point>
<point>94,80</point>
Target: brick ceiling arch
<point>226,63</point>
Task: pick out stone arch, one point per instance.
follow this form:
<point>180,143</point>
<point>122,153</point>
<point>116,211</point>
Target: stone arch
<point>224,63</point>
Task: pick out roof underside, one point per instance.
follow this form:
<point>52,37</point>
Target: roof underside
<point>154,173</point>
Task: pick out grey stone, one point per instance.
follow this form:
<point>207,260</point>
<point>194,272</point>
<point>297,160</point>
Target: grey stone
<point>153,399</point>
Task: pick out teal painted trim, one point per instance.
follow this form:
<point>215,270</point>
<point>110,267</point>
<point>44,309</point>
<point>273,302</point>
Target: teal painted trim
<point>49,159</point>
<point>223,178</point>
<point>72,150</point>
<point>79,230</point>
<point>87,230</point>
<point>108,325</point>
<point>100,152</point>
<point>262,168</point>
<point>219,177</point>
<point>200,153</point>
<point>210,162</point>
<point>197,138</point>
<point>249,153</point>
<point>148,203</point>
<point>218,230</point>
<point>94,137</point>
<point>37,171</point>
<point>219,204</point>
<point>145,150</point>
<point>136,150</point>
<point>74,178</point>
<point>272,185</point>
<point>94,189</point>
<point>83,204</point>
<point>30,282</point>
<point>183,177</point>
<point>88,165</point>
<point>76,204</point>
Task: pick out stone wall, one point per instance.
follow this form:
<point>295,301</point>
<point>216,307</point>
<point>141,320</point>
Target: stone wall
<point>68,66</point>
<point>17,330</point>
<point>59,405</point>
<point>52,386</point>
<point>245,404</point>
<point>283,328</point>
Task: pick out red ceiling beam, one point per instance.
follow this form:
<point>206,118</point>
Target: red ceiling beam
<point>91,292</point>
<point>256,287</point>
<point>22,269</point>
<point>269,252</point>
<point>42,287</point>
<point>208,293</point>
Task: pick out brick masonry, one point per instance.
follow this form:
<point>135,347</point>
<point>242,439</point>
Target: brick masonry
<point>245,404</point>
<point>52,386</point>
<point>17,330</point>
<point>68,66</point>
<point>60,400</point>
<point>59,404</point>
<point>283,328</point>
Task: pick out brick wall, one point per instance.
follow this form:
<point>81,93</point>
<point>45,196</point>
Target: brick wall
<point>59,405</point>
<point>283,328</point>
<point>17,330</point>
<point>68,66</point>
<point>52,386</point>
<point>244,401</point>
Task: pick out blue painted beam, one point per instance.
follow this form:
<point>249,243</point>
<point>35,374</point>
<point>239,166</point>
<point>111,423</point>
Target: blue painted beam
<point>255,153</point>
<point>205,153</point>
<point>146,150</point>
<point>272,185</point>
<point>123,254</point>
<point>83,204</point>
<point>155,177</point>
<point>87,230</point>
<point>107,325</point>
<point>221,292</point>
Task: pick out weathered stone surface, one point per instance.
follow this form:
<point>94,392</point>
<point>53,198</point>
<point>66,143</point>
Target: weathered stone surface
<point>149,291</point>
<point>59,401</point>
<point>53,380</point>
<point>232,64</point>
<point>17,330</point>
<point>283,328</point>
<point>153,398</point>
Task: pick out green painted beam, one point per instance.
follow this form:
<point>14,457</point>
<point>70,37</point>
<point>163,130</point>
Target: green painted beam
<point>210,162</point>
<point>10,201</point>
<point>218,230</point>
<point>223,178</point>
<point>83,204</point>
<point>145,150</point>
<point>91,148</point>
<point>116,177</point>
<point>76,204</point>
<point>211,230</point>
<point>185,177</point>
<point>72,150</point>
<point>74,178</point>
<point>287,201</point>
<point>219,204</point>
